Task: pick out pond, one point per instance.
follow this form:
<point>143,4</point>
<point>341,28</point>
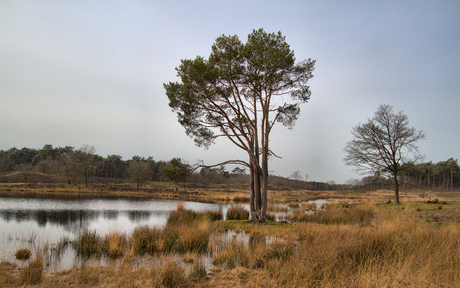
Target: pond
<point>34,222</point>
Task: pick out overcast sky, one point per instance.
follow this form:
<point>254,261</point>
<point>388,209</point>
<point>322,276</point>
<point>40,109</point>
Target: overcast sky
<point>92,72</point>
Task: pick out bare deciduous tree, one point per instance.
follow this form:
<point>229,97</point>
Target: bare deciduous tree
<point>139,172</point>
<point>26,170</point>
<point>84,160</point>
<point>383,144</point>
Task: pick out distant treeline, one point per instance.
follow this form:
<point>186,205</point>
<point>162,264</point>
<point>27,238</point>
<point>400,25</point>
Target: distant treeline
<point>444,175</point>
<point>73,165</point>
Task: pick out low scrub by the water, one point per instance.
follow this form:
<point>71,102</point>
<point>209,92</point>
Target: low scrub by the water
<point>359,247</point>
<point>186,217</point>
<point>144,240</point>
<point>23,254</point>
<point>237,213</point>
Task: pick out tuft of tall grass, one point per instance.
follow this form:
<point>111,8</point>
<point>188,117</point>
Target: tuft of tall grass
<point>146,240</point>
<point>237,213</point>
<point>33,273</point>
<point>197,271</point>
<point>87,244</point>
<point>172,274</point>
<point>114,245</point>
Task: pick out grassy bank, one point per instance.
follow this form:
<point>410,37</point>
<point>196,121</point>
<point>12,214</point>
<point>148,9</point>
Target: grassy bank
<point>216,193</point>
<point>359,246</point>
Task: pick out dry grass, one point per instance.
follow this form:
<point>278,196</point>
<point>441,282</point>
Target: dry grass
<point>172,274</point>
<point>391,249</point>
<point>114,244</point>
<point>32,273</point>
<point>337,215</point>
<point>309,207</point>
<point>277,208</point>
<point>88,244</point>
<point>361,246</point>
<point>7,276</point>
<point>197,271</point>
<point>293,205</point>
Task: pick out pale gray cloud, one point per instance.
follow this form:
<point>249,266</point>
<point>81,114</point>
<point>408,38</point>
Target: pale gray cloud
<point>77,72</point>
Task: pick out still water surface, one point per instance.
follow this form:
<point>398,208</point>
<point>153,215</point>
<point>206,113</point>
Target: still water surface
<point>34,222</point>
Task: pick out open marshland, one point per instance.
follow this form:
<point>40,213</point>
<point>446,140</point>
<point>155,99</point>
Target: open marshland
<point>354,242</point>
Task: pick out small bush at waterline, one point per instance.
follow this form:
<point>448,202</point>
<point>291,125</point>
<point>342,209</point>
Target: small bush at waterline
<point>187,217</point>
<point>22,254</point>
<point>237,213</point>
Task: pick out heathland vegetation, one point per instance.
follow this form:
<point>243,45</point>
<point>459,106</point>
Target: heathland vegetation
<point>365,243</point>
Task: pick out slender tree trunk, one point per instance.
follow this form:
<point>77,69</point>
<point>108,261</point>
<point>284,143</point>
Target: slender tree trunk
<point>395,175</point>
<point>257,198</point>
<point>251,187</point>
<point>264,181</point>
<point>420,181</point>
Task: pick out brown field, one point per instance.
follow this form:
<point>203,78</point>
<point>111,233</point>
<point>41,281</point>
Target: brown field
<point>365,244</point>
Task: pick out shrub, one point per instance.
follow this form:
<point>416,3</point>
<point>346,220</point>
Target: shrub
<point>181,216</point>
<point>237,213</point>
<point>22,254</point>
